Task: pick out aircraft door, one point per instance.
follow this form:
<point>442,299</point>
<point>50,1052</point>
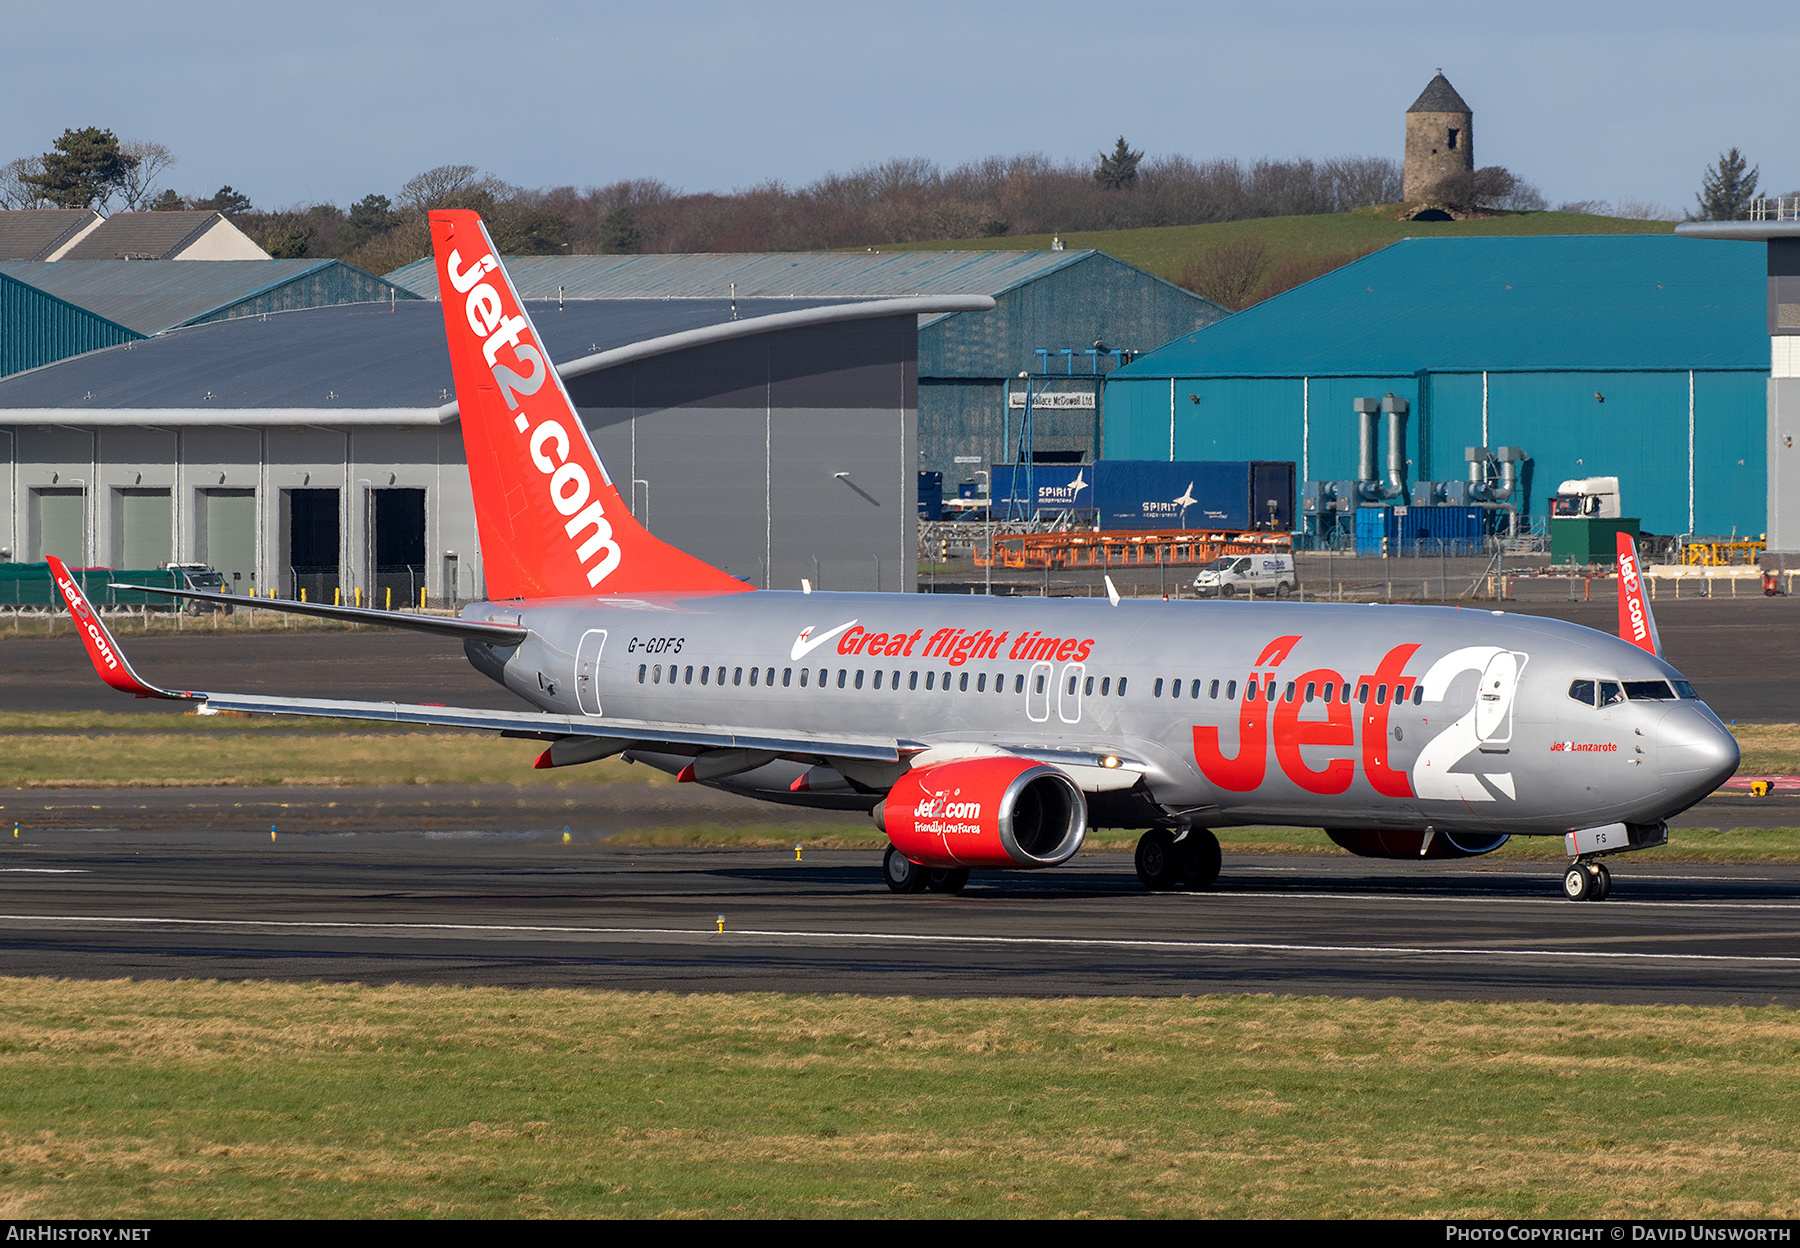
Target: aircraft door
<point>587,670</point>
<point>1068,692</point>
<point>1494,698</point>
<point>1037,692</point>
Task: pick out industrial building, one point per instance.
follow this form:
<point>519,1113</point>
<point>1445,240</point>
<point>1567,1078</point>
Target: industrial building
<point>1068,318</point>
<point>1643,357</point>
<point>318,450</point>
<point>144,297</point>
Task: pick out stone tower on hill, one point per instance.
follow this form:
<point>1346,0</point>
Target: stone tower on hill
<point>1440,147</point>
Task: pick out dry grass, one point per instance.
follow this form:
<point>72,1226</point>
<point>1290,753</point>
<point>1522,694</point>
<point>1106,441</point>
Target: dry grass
<point>203,1099</point>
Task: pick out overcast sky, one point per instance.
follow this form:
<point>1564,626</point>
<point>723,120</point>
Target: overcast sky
<point>330,101</point>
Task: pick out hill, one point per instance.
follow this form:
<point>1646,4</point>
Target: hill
<point>1167,250</point>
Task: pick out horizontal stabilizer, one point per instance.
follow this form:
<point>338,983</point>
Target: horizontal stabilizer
<point>443,626</point>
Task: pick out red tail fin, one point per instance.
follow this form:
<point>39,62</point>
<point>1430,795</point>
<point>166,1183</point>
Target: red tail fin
<point>1636,624</point>
<point>552,523</point>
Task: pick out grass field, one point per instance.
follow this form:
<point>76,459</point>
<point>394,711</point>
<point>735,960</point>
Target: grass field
<point>1163,249</point>
<point>187,1099</point>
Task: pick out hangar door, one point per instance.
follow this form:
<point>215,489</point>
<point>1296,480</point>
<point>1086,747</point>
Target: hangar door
<point>228,537</point>
<point>145,537</point>
<point>312,545</point>
<point>397,546</point>
<point>62,525</point>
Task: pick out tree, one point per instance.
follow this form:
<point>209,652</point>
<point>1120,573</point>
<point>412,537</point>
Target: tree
<point>17,188</point>
<point>370,217</point>
<point>231,203</point>
<point>168,201</point>
<point>1228,273</point>
<point>82,169</point>
<point>144,161</point>
<point>1118,171</point>
<point>1726,189</point>
<point>619,233</point>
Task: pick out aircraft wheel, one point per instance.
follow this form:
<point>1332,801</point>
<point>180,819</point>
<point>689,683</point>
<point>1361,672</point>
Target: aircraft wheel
<point>947,879</point>
<point>1602,882</point>
<point>1578,884</point>
<point>1197,856</point>
<point>902,874</point>
<point>1157,862</point>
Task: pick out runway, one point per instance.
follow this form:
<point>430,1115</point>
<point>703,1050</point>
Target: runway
<point>530,910</point>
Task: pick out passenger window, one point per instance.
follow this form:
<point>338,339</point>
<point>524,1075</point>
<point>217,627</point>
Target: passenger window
<point>859,677</point>
<point>1269,691</point>
<point>656,674</point>
<point>786,672</point>
<point>1418,695</point>
<point>690,676</point>
<point>1230,690</point>
<point>1288,694</point>
<point>980,682</point>
<point>1250,690</point>
<point>642,668</point>
<point>894,681</point>
<point>1156,689</point>
<point>1039,687</point>
<point>1610,693</point>
<point>1122,681</point>
<point>1019,683</point>
<point>1176,691</point>
<point>1362,694</point>
<point>769,677</point>
<point>734,676</point>
<point>946,685</point>
<point>962,686</point>
<point>1582,691</point>
<point>1072,681</point>
<point>1215,689</point>
<point>1312,689</point>
<point>843,672</point>
<point>803,675</point>
<point>1380,695</point>
<point>1330,690</point>
<point>704,673</point>
<point>1194,690</point>
<point>878,678</point>
<point>929,678</point>
<point>824,676</point>
<point>912,680</point>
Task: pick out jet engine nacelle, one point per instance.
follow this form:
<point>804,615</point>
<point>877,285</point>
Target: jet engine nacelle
<point>1390,843</point>
<point>990,811</point>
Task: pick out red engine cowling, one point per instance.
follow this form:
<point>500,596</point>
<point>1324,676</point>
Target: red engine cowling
<point>1393,843</point>
<point>990,811</point>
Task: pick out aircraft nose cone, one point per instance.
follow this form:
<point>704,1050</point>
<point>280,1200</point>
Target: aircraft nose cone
<point>1694,752</point>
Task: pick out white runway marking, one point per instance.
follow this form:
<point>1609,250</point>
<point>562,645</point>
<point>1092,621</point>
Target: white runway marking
<point>44,870</point>
<point>1461,898</point>
<point>1061,942</point>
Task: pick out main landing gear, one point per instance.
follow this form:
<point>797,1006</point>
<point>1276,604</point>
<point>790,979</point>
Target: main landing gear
<point>906,876</point>
<point>1163,862</point>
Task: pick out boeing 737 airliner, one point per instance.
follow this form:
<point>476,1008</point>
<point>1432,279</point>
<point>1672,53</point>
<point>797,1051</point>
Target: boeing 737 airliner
<point>984,732</point>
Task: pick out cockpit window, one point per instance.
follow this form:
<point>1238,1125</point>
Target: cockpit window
<point>1649,691</point>
<point>1684,690</point>
<point>1610,693</point>
<point>1582,691</point>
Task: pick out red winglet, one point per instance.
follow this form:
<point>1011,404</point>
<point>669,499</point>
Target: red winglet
<point>1636,624</point>
<point>109,661</point>
<point>543,761</point>
<point>685,775</point>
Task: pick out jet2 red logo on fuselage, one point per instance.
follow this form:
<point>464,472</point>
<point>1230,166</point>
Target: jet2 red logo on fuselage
<point>1265,716</point>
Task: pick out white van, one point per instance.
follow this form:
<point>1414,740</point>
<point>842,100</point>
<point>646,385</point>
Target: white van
<point>1249,575</point>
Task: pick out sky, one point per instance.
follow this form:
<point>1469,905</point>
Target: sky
<point>332,101</point>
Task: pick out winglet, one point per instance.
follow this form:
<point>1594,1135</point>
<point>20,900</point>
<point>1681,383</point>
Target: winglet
<point>1636,624</point>
<point>109,661</point>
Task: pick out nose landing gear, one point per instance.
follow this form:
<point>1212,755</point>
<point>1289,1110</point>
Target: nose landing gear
<point>1587,881</point>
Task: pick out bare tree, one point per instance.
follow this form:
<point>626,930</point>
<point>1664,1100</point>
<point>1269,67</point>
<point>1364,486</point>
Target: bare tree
<point>1228,273</point>
<point>15,190</point>
<point>145,161</point>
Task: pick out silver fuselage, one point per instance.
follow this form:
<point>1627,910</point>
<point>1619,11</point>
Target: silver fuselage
<point>1457,719</point>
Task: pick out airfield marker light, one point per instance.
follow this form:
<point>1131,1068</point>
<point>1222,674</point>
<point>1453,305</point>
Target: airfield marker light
<point>721,925</point>
<point>796,850</point>
<point>271,834</point>
<point>566,837</point>
<point>15,830</point>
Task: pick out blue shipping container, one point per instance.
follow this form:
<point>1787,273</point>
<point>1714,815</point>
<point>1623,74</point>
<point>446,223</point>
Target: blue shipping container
<point>1060,487</point>
<point>1419,530</point>
<point>1194,494</point>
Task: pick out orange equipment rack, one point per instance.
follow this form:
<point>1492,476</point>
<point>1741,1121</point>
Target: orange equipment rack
<point>1179,548</point>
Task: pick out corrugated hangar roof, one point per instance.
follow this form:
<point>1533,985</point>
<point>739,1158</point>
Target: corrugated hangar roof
<point>1642,301</point>
<point>150,296</point>
<point>764,275</point>
<point>366,356</point>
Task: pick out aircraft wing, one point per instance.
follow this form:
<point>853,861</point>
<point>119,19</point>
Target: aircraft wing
<point>443,626</point>
<point>110,662</point>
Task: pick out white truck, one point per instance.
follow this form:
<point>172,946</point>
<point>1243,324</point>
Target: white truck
<point>1249,575</point>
